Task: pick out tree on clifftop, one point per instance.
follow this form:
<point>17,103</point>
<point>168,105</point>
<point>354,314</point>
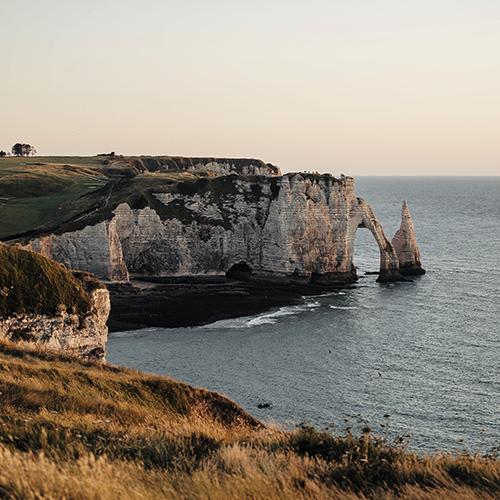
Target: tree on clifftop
<point>23,149</point>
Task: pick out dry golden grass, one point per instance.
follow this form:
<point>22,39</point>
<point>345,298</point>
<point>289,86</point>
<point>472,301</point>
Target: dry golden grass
<point>83,430</point>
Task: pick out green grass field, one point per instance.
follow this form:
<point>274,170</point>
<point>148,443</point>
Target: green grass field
<point>33,189</point>
<point>47,192</point>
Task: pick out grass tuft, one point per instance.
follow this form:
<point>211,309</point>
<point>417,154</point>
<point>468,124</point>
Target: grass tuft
<point>31,283</point>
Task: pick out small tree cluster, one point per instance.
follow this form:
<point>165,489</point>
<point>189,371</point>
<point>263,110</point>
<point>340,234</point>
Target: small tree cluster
<point>23,149</point>
<point>3,154</point>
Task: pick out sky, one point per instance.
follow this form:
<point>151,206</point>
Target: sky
<point>359,87</point>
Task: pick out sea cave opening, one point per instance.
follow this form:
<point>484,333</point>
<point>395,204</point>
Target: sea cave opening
<point>240,271</point>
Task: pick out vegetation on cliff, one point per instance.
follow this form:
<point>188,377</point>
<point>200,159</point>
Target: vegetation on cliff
<point>31,283</point>
<point>32,192</point>
<point>44,192</point>
<point>77,430</point>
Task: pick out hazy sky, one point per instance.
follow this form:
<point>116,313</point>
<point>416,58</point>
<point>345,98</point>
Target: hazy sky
<point>360,87</point>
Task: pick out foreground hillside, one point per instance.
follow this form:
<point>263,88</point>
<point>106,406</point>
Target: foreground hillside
<point>79,430</point>
<point>43,303</point>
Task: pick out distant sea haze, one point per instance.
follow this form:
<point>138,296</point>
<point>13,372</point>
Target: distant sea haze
<point>427,352</point>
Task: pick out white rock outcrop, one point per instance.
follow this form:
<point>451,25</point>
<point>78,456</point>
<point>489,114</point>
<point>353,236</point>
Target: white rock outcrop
<point>96,247</point>
<point>405,244</point>
<point>84,336</point>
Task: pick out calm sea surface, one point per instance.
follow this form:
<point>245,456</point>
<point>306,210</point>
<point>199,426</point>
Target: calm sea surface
<point>436,340</point>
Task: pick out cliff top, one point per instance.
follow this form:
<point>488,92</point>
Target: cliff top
<point>31,283</point>
<point>138,191</point>
<point>35,190</point>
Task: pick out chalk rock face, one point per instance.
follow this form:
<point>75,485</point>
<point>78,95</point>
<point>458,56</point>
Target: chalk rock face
<point>228,167</point>
<point>405,244</point>
<point>95,247</point>
<point>83,335</point>
<point>294,228</point>
<point>220,166</point>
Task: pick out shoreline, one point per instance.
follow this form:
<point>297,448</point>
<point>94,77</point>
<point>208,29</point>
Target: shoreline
<point>143,304</point>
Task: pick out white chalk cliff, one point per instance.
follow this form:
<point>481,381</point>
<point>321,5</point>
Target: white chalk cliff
<point>294,228</point>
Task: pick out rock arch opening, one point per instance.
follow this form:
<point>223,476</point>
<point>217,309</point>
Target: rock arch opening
<point>389,263</point>
<point>366,252</point>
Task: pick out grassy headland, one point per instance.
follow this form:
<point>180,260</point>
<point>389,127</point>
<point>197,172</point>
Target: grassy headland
<point>77,430</point>
<point>31,283</point>
<point>45,192</point>
<point>33,189</point>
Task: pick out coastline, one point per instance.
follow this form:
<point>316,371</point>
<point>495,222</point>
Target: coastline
<point>142,304</point>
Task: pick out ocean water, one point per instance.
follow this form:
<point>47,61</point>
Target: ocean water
<point>427,352</point>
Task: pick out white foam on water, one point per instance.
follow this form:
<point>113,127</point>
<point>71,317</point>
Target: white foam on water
<point>268,318</point>
<point>233,323</point>
<point>343,307</point>
<point>312,304</point>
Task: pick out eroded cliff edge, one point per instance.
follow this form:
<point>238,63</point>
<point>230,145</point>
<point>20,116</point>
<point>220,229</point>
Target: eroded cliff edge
<point>296,228</point>
<point>43,303</point>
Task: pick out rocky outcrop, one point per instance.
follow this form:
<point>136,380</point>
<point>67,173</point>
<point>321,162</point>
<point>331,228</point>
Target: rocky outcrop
<point>298,228</point>
<point>219,166</point>
<point>84,336</point>
<point>389,264</point>
<point>43,303</point>
<point>405,244</point>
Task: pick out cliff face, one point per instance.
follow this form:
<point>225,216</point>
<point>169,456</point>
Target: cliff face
<point>295,228</point>
<point>43,303</point>
<point>220,166</point>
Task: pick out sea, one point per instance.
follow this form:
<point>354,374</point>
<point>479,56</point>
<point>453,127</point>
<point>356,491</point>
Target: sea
<point>425,352</point>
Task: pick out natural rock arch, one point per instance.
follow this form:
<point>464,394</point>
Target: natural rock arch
<point>389,263</point>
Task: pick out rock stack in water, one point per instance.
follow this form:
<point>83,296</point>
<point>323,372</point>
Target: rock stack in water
<point>405,244</point>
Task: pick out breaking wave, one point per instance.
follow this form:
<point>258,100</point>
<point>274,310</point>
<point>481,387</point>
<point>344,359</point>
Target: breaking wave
<point>268,318</point>
<point>343,307</point>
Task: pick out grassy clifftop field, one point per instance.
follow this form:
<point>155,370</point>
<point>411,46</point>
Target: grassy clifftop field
<point>33,189</point>
<point>37,190</point>
<point>45,192</point>
<point>78,430</point>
